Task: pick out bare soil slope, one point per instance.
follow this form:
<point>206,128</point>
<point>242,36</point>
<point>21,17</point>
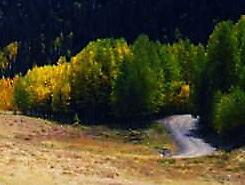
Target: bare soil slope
<point>34,151</point>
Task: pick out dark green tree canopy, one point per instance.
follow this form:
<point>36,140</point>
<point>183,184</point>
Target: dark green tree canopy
<point>50,28</point>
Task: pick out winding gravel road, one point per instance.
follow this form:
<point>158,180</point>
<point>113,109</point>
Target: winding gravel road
<point>183,130</point>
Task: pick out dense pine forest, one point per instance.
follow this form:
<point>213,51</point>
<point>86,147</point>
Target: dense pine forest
<point>125,60</point>
<point>47,29</point>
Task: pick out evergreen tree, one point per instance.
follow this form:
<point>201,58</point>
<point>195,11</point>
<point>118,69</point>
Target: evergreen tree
<point>239,31</point>
<point>222,56</point>
<point>219,73</point>
<point>139,88</point>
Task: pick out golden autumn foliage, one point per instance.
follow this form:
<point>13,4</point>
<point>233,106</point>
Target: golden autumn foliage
<point>61,94</point>
<point>6,93</point>
<point>185,91</point>
<point>3,61</point>
<point>89,82</point>
<point>41,85</point>
<point>12,50</point>
<point>94,71</point>
<point>7,55</point>
<point>87,78</point>
<point>110,77</point>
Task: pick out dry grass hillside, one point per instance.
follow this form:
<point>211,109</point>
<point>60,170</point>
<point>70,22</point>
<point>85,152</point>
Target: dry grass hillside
<point>36,151</point>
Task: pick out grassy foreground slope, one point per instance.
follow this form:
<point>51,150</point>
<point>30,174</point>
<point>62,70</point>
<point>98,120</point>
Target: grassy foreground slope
<point>35,151</point>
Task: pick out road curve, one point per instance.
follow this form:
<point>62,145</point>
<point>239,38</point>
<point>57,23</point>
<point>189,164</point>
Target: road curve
<point>183,130</point>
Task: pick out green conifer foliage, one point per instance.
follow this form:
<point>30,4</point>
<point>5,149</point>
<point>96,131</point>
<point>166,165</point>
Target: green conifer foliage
<point>229,112</point>
<point>222,56</point>
<point>140,86</point>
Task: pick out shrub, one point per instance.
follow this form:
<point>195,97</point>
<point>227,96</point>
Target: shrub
<point>43,89</point>
<point>229,112</point>
<point>7,56</point>
<point>6,93</point>
<point>22,100</point>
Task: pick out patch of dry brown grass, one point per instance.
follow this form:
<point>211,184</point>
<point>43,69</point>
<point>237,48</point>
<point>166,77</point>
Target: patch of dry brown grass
<point>34,151</point>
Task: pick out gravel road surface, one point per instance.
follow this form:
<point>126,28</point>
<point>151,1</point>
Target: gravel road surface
<point>190,144</point>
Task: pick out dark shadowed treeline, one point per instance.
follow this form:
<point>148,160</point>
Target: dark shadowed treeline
<point>50,28</point>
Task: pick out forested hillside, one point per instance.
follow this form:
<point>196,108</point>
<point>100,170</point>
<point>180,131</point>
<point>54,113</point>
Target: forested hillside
<point>111,79</point>
<point>89,60</point>
<point>138,90</point>
<point>48,29</point>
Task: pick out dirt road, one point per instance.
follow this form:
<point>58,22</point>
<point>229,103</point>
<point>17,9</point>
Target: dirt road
<point>183,130</point>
